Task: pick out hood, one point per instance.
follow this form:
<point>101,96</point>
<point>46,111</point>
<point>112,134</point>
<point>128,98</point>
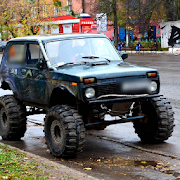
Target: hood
<point>112,70</point>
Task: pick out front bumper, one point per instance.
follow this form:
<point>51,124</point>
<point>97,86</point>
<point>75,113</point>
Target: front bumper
<point>123,99</point>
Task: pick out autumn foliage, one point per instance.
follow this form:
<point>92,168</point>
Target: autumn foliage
<point>23,17</point>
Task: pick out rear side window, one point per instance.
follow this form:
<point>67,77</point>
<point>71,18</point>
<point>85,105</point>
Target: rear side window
<point>33,54</point>
<point>16,53</point>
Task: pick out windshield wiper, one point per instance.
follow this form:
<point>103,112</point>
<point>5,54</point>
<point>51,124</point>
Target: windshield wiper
<point>65,64</point>
<point>72,63</point>
<point>90,57</point>
<point>93,57</point>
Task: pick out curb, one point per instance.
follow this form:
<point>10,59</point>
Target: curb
<point>148,52</point>
<point>64,170</point>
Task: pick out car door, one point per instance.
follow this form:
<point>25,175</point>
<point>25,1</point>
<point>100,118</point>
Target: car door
<point>33,82</point>
<point>27,78</point>
<point>16,61</point>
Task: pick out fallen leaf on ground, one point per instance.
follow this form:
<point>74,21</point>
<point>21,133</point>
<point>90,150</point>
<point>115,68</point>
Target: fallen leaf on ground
<point>87,169</point>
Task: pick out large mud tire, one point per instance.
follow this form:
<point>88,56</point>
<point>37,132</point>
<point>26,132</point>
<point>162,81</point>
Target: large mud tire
<point>12,118</point>
<point>159,123</point>
<point>64,131</point>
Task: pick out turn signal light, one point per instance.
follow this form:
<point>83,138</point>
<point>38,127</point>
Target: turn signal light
<point>74,84</point>
<point>89,80</point>
<point>151,75</point>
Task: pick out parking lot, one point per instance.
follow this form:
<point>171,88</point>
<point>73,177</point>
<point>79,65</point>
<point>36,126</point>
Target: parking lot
<point>116,152</point>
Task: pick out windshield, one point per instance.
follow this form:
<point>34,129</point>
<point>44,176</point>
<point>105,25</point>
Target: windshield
<point>77,50</point>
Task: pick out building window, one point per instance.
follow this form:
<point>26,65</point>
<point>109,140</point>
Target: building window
<point>69,3</point>
<point>56,11</point>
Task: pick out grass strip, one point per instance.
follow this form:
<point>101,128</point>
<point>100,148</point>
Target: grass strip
<point>15,165</point>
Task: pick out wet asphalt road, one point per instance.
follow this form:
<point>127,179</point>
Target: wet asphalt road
<point>116,152</point>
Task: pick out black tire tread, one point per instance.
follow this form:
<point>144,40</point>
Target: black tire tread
<point>74,128</point>
<point>165,123</point>
<point>16,112</point>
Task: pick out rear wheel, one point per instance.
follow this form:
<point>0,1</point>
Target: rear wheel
<point>12,118</point>
<point>64,131</point>
<point>158,123</point>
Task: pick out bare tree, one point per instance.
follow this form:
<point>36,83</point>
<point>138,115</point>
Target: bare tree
<point>171,9</point>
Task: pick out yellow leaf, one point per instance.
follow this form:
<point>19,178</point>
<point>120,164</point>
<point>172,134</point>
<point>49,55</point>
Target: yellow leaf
<point>87,169</point>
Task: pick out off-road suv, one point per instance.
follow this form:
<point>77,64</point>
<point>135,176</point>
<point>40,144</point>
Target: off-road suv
<point>76,80</point>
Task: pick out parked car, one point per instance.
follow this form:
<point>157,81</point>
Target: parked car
<point>76,80</point>
<point>2,45</point>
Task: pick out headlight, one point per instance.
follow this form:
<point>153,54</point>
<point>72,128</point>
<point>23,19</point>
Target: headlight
<point>153,86</point>
<point>90,93</point>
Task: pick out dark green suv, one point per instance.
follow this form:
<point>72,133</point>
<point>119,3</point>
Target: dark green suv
<point>76,80</point>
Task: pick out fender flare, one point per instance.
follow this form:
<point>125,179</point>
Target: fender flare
<point>65,88</point>
<point>61,94</point>
<point>12,87</point>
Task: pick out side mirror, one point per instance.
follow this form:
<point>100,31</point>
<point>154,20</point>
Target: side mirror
<point>40,64</point>
<point>124,55</point>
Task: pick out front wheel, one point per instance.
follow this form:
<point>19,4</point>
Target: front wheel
<point>64,131</point>
<point>158,123</point>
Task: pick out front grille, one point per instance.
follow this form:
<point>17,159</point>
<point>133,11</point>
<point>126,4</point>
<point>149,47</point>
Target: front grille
<point>104,89</point>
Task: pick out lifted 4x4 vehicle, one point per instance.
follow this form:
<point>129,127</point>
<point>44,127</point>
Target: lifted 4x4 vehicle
<point>76,80</point>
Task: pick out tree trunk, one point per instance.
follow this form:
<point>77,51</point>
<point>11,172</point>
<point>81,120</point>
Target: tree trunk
<point>1,31</point>
<point>83,5</point>
<point>139,19</point>
<point>115,23</point>
<point>128,25</point>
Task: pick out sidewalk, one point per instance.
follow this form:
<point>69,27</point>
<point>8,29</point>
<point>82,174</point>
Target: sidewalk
<point>147,52</point>
<point>56,170</point>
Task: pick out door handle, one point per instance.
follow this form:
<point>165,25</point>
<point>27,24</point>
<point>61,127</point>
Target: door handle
<point>23,71</point>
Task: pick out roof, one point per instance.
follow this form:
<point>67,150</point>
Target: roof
<point>51,37</point>
<point>58,18</point>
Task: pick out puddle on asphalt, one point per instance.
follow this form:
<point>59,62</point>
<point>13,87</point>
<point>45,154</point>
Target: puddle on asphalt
<point>159,166</point>
<point>127,162</point>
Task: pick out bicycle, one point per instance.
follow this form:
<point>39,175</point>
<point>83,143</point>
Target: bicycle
<point>176,48</point>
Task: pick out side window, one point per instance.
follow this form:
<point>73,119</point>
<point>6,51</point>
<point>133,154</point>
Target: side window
<point>16,53</point>
<point>33,54</point>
